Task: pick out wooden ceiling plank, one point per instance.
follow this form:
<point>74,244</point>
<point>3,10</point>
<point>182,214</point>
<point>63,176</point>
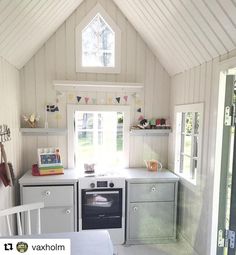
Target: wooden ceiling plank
<point>153,42</point>
<point>229,7</point>
<point>190,8</point>
<point>226,20</point>
<point>156,33</point>
<point>206,24</point>
<point>42,21</point>
<point>173,37</point>
<point>54,23</point>
<point>21,29</point>
<point>36,40</point>
<point>225,36</point>
<point>183,49</point>
<point>205,45</point>
<point>181,25</point>
<point>20,14</point>
<point>3,5</point>
<point>8,10</point>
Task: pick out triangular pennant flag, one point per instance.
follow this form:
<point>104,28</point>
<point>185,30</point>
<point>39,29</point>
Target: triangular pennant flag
<point>109,100</point>
<point>94,100</point>
<point>126,98</point>
<point>78,98</point>
<point>118,99</point>
<point>86,99</point>
<point>71,97</point>
<point>139,110</point>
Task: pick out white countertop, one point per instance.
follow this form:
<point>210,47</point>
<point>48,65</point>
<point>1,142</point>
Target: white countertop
<point>137,174</point>
<point>72,176</point>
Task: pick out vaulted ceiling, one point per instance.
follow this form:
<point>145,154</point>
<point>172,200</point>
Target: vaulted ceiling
<point>25,25</point>
<point>181,33</point>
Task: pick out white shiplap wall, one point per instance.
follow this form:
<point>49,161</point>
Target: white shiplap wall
<point>10,115</point>
<point>199,84</point>
<point>56,60</point>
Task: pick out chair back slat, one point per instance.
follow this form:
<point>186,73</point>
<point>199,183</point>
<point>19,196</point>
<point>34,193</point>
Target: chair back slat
<point>29,222</point>
<point>17,210</point>
<point>9,226</point>
<point>19,226</point>
<point>39,222</point>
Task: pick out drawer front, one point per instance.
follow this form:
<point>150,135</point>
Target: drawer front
<point>50,195</point>
<point>141,192</point>
<point>151,220</point>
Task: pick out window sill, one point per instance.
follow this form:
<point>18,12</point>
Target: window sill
<point>190,184</point>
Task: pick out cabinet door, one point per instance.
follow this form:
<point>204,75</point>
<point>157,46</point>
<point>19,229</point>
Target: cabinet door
<point>54,219</point>
<point>58,213</point>
<point>151,220</point>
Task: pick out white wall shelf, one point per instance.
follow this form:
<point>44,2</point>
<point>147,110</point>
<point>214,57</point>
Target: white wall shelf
<point>150,132</point>
<point>43,131</point>
<point>103,86</point>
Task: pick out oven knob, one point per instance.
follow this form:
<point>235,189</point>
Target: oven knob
<point>111,184</point>
<point>92,185</point>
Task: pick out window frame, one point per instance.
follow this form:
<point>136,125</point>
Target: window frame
<point>71,109</point>
<point>179,152</point>
<point>78,42</point>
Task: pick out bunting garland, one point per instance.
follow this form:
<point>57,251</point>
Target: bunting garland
<point>86,99</point>
<point>126,98</point>
<point>118,99</point>
<point>78,98</point>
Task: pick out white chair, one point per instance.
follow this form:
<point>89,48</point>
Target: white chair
<point>27,208</point>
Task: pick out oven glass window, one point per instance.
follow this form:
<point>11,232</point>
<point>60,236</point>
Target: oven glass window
<point>102,203</point>
<point>101,209</point>
<point>99,139</point>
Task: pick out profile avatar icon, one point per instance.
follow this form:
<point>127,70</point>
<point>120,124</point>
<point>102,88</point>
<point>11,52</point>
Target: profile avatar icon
<point>22,247</point>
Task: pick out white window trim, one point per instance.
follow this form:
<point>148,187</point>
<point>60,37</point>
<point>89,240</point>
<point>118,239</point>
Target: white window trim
<point>78,42</point>
<point>199,107</point>
<point>71,109</point>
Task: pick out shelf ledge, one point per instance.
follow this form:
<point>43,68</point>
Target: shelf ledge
<point>43,131</point>
<point>104,86</point>
<point>150,132</point>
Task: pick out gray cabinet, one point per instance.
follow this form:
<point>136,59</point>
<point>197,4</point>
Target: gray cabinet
<point>151,211</point>
<point>59,194</point>
<point>58,213</point>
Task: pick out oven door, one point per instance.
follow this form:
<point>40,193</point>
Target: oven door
<point>101,208</point>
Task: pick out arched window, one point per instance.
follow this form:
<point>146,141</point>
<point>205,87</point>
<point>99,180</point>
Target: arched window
<point>98,43</point>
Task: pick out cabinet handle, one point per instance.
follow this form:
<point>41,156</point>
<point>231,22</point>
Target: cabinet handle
<point>135,209</point>
<point>68,211</point>
<point>48,193</point>
<point>154,189</point>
